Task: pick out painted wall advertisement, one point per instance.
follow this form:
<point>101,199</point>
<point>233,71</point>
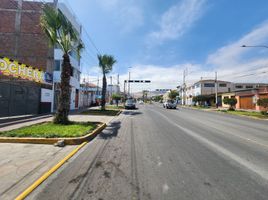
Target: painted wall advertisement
<point>15,69</point>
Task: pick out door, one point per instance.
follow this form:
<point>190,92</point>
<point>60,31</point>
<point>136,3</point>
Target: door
<point>4,99</point>
<point>18,99</point>
<point>76,98</point>
<point>246,103</point>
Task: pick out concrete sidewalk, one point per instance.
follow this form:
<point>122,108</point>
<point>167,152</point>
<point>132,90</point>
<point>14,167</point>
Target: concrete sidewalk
<point>22,164</point>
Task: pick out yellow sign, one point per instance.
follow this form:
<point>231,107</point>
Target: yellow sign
<point>15,69</point>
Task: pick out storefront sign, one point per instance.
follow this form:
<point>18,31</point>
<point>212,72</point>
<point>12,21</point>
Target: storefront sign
<point>15,69</point>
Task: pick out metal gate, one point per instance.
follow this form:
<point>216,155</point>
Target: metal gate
<point>18,99</point>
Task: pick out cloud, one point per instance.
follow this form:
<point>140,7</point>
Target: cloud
<point>162,77</point>
<point>233,62</point>
<point>178,19</point>
<point>128,14</point>
<point>232,54</point>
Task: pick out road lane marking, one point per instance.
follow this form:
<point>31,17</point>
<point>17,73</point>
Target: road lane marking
<point>165,188</point>
<point>240,137</point>
<point>254,168</point>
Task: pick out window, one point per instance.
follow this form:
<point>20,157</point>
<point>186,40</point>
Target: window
<point>239,86</point>
<point>249,86</point>
<point>209,85</point>
<point>223,85</point>
<point>57,65</point>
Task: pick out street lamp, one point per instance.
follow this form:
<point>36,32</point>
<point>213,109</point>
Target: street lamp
<point>260,46</point>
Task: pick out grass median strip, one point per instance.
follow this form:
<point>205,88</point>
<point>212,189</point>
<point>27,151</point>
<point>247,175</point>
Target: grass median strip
<point>246,113</point>
<point>50,130</point>
<point>114,107</point>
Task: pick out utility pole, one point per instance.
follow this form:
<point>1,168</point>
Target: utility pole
<point>111,89</point>
<point>129,83</point>
<point>216,90</point>
<point>184,87</point>
<point>118,85</point>
<point>118,79</point>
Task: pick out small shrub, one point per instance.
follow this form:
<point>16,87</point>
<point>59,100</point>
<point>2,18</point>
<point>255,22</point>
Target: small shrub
<point>263,112</point>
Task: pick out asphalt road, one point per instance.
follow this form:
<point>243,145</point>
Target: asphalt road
<point>154,153</point>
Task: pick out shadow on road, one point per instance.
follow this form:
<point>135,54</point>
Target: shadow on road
<point>111,130</point>
<point>131,113</point>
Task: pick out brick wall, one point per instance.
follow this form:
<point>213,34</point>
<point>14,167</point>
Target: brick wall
<point>21,37</point>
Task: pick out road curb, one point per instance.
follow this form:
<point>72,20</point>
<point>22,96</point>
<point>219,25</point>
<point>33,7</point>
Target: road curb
<point>67,141</point>
<point>219,112</point>
<point>119,112</point>
<point>32,187</point>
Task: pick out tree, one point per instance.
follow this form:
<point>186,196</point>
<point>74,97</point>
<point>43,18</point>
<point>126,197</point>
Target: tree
<point>173,94</point>
<point>231,102</point>
<point>116,97</point>
<point>61,32</point>
<point>264,103</point>
<point>158,98</point>
<point>106,63</point>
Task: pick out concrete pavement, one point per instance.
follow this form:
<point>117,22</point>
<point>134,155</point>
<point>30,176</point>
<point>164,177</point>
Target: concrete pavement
<point>154,153</point>
<point>22,164</point>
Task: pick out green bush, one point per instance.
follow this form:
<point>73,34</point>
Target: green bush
<point>263,102</point>
<point>231,102</point>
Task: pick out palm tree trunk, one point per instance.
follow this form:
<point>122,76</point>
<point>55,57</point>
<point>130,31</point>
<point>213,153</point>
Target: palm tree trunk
<point>103,94</point>
<point>61,116</point>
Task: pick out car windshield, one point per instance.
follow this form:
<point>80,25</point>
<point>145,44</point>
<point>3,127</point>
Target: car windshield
<point>170,101</point>
<point>130,101</point>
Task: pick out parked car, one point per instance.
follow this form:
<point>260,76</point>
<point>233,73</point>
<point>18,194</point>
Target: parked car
<point>130,104</point>
<point>170,104</point>
<point>140,102</point>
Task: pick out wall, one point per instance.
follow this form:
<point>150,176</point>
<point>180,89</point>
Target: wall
<point>21,37</point>
<point>227,95</point>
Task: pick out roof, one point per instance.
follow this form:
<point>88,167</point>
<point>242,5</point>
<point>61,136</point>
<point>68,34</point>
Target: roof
<point>211,80</point>
<point>88,85</point>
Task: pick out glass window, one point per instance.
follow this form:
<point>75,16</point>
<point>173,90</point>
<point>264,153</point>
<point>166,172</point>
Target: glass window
<point>209,85</point>
<point>249,86</point>
<point>57,64</point>
<point>223,85</point>
<point>238,86</point>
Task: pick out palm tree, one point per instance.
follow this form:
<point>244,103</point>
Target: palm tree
<point>106,63</point>
<point>61,32</point>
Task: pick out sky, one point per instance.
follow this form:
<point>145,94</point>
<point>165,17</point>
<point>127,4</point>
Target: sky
<point>158,39</point>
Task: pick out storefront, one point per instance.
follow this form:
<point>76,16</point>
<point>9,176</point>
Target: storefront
<point>22,89</point>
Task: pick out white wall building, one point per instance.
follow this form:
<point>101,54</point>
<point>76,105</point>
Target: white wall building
<point>208,87</point>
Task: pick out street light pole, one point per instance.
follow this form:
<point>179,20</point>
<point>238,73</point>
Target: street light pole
<point>258,46</point>
<point>216,90</point>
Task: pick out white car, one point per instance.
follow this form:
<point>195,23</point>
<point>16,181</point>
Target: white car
<point>170,104</point>
<point>130,104</point>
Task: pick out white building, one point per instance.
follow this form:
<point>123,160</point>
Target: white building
<point>89,95</point>
<point>209,87</point>
<point>75,62</point>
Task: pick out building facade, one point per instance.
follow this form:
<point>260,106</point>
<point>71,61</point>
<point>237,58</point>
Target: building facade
<point>210,87</point>
<point>23,46</point>
<point>23,41</point>
<point>89,95</point>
